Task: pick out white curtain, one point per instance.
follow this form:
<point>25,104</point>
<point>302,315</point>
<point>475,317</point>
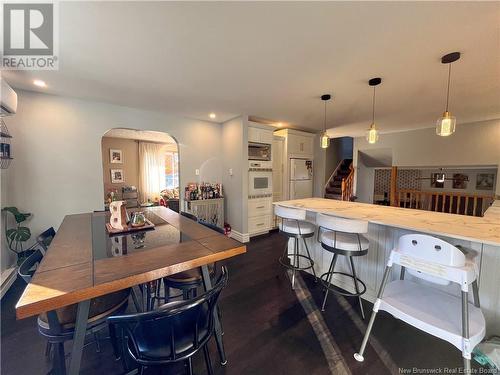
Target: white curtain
<point>151,170</point>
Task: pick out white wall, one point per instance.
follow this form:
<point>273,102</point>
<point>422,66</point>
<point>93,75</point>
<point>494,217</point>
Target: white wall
<point>475,144</point>
<point>235,151</point>
<point>319,167</point>
<point>57,168</point>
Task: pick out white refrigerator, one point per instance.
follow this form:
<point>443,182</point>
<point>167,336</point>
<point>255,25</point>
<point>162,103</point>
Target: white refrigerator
<point>301,178</point>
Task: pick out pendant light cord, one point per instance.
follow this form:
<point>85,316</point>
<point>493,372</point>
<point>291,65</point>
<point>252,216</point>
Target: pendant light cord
<point>373,107</point>
<point>325,119</point>
<point>448,89</point>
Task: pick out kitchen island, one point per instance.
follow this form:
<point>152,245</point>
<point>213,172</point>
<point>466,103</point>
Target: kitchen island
<point>387,224</point>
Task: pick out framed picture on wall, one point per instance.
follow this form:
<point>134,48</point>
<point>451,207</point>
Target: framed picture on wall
<point>115,156</point>
<point>460,181</point>
<point>117,176</point>
<point>434,180</point>
<point>484,181</point>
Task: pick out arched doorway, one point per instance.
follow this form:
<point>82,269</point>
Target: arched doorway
<point>140,167</point>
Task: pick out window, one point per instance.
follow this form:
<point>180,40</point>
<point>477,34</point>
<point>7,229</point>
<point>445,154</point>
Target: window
<point>172,170</point>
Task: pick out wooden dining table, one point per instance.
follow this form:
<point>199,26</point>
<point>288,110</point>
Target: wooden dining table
<point>84,262</point>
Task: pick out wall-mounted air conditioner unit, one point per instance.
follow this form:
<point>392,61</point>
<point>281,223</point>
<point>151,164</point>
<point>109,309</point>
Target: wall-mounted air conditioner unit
<point>8,99</point>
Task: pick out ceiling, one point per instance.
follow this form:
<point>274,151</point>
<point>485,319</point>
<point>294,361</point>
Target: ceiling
<point>274,59</point>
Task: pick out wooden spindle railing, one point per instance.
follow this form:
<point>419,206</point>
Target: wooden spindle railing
<point>348,184</point>
<point>449,202</point>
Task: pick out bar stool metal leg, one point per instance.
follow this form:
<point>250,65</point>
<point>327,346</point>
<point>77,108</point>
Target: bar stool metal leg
<point>329,279</point>
<point>309,255</point>
<point>294,261</point>
<point>356,287</point>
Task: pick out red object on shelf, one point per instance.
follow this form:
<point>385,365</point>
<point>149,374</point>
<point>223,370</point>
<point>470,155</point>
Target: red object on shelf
<point>163,203</point>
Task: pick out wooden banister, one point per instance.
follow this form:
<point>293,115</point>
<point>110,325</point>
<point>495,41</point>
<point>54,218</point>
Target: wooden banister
<point>394,186</point>
<point>449,202</point>
<point>347,185</point>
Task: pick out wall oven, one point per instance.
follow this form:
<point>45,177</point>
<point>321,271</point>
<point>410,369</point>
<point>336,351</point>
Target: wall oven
<point>260,179</point>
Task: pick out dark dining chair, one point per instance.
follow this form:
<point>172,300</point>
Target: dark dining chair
<point>62,327</point>
<point>188,281</point>
<point>170,334</point>
<point>45,238</point>
<point>28,267</point>
<point>42,242</point>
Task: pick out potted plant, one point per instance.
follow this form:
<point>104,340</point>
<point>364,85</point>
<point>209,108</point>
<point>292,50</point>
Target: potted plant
<point>18,235</point>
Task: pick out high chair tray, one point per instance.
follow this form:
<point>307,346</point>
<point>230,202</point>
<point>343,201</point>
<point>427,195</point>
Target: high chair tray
<point>433,311</point>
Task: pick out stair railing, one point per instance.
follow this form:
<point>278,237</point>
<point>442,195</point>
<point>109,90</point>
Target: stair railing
<point>347,184</point>
<point>333,174</point>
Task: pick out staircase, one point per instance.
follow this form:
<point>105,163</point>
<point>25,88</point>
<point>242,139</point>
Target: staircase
<point>339,185</point>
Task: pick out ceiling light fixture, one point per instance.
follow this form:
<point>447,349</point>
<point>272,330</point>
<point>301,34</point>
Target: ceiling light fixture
<point>212,115</point>
<point>445,125</point>
<point>39,83</point>
<point>372,132</point>
<point>324,140</point>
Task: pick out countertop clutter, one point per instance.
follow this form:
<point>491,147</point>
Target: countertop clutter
<point>484,229</point>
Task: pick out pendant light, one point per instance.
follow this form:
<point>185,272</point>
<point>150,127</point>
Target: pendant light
<point>324,140</point>
<point>445,125</point>
<point>372,132</point>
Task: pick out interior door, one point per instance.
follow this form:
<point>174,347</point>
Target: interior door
<point>278,168</point>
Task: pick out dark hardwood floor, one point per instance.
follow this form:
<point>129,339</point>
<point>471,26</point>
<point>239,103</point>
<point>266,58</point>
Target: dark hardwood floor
<point>267,330</point>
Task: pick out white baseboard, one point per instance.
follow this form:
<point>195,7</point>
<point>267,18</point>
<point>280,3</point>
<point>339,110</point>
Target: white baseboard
<point>259,233</point>
<point>8,277</point>
<point>241,237</point>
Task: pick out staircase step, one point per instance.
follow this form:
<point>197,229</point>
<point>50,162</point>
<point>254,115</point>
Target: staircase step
<point>333,190</point>
<point>333,196</point>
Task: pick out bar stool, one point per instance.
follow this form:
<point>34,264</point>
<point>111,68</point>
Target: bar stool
<point>293,225</point>
<point>342,237</point>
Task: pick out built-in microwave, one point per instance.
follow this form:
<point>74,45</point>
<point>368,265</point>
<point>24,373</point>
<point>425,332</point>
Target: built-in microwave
<point>259,151</point>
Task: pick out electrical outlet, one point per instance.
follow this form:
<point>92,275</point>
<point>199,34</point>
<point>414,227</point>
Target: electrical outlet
<point>197,172</point>
<point>230,171</point>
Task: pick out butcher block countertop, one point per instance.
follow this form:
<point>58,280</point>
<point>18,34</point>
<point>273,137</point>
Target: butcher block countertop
<point>484,229</point>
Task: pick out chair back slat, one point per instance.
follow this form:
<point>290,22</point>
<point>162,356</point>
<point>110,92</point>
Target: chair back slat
<point>289,213</point>
<point>340,224</point>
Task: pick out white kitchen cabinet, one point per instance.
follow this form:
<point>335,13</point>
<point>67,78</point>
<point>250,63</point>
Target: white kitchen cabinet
<point>260,135</point>
<point>259,207</point>
<point>266,136</point>
<point>300,145</point>
<point>259,224</point>
<point>253,134</point>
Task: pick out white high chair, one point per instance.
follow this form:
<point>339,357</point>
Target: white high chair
<point>425,307</point>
